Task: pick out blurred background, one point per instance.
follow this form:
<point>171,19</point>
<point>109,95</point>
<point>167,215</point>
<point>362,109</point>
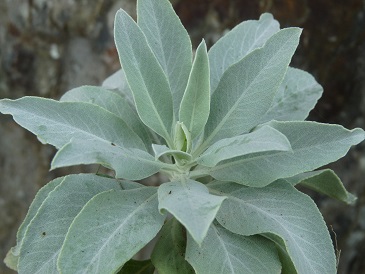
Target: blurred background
<point>48,47</point>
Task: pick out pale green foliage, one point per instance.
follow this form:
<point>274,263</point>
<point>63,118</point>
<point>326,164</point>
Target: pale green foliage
<point>226,131</point>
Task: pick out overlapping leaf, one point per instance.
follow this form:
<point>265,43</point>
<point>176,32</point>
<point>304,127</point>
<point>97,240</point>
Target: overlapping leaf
<point>150,87</point>
<point>265,138</point>
<point>169,251</point>
<point>138,267</point>
<point>191,204</point>
<point>295,98</point>
<point>46,232</point>
<point>313,145</point>
<point>223,252</point>
<point>131,164</point>
<point>239,42</point>
<point>169,42</point>
<point>118,82</point>
<point>109,230</point>
<point>247,88</point>
<point>56,123</point>
<point>281,210</point>
<point>194,108</point>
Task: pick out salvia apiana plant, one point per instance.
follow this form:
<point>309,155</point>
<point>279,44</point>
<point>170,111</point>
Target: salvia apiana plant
<point>227,132</point>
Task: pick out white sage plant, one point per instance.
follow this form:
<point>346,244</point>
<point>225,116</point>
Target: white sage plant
<point>227,132</point>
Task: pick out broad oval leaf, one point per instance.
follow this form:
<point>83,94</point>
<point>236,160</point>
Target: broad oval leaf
<point>46,232</point>
<point>131,164</point>
<point>239,42</point>
<point>223,252</point>
<point>56,123</point>
<point>281,210</point>
<point>265,138</point>
<point>111,101</point>
<point>111,228</point>
<point>168,255</point>
<point>194,108</point>
<point>295,98</point>
<point>191,204</point>
<point>323,181</point>
<point>149,85</point>
<point>169,42</point>
<point>313,145</point>
<point>248,87</point>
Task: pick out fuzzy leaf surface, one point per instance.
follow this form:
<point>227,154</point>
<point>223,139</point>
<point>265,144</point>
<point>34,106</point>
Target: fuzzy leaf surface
<point>247,88</point>
<point>283,211</point>
<point>223,252</point>
<point>110,229</point>
<point>131,164</point>
<point>324,181</point>
<point>169,42</point>
<point>195,104</point>
<point>313,145</point>
<point>237,43</point>
<point>265,138</point>
<point>111,101</point>
<point>118,82</point>
<point>56,123</point>
<point>295,98</point>
<point>191,204</point>
<point>46,232</point>
<point>168,255</point>
<point>151,90</point>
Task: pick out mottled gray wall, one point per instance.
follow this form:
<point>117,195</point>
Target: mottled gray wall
<point>48,47</point>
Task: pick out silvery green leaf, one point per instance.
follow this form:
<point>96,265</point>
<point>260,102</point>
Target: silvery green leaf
<point>131,164</point>
<point>38,200</point>
<point>191,204</point>
<point>223,252</point>
<point>295,98</point>
<point>281,210</point>
<point>118,82</point>
<point>265,138</point>
<point>194,108</point>
<point>112,102</point>
<point>110,229</point>
<point>313,145</point>
<point>46,232</point>
<point>247,88</point>
<point>138,267</point>
<point>169,42</point>
<point>237,43</point>
<point>151,90</point>
<point>168,255</point>
<point>323,181</point>
<point>56,123</point>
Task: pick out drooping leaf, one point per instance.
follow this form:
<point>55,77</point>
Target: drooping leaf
<point>237,43</point>
<point>223,252</point>
<point>247,88</point>
<point>191,204</point>
<point>295,98</point>
<point>169,41</point>
<point>56,123</point>
<point>131,164</point>
<point>151,90</point>
<point>323,181</point>
<point>111,228</point>
<point>168,255</point>
<point>137,267</point>
<point>194,108</point>
<point>118,82</point>
<point>265,138</point>
<point>313,145</point>
<point>112,102</point>
<point>281,210</point>
<point>46,232</point>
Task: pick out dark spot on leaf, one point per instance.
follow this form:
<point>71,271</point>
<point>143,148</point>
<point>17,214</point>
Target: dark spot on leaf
<point>170,192</point>
<point>43,233</point>
<point>113,144</point>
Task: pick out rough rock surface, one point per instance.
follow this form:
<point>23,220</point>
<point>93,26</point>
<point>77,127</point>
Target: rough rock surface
<point>48,47</point>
